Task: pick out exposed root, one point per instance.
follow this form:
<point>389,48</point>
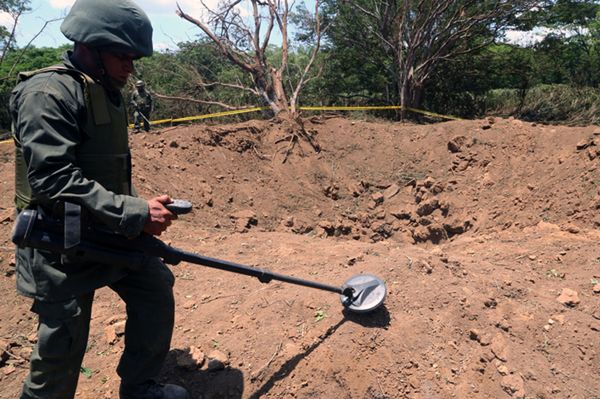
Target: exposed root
<point>296,135</point>
<point>259,155</point>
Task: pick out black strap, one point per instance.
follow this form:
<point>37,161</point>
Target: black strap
<point>72,225</point>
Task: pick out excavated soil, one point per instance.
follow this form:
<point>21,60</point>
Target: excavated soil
<point>487,234</point>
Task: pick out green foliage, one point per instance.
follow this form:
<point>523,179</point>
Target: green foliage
<point>570,13</point>
<point>555,80</point>
<point>86,372</point>
<point>17,61</point>
<point>358,68</point>
<point>32,59</point>
<point>572,60</point>
<point>14,8</point>
<point>563,70</point>
<point>549,103</point>
<point>191,73</point>
<point>304,21</point>
<point>320,315</point>
<point>411,43</point>
<point>459,87</point>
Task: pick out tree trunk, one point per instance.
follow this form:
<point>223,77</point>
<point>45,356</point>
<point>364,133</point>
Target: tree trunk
<point>417,92</point>
<point>279,92</point>
<point>269,82</point>
<point>270,86</point>
<point>404,92</point>
<point>411,96</point>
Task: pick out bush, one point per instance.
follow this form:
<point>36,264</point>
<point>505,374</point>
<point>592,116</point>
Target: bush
<point>548,103</point>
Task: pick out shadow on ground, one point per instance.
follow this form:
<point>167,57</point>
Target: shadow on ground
<point>376,319</point>
<point>202,384</point>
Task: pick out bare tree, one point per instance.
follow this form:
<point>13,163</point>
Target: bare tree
<point>28,45</point>
<point>14,8</point>
<point>245,41</point>
<point>419,34</point>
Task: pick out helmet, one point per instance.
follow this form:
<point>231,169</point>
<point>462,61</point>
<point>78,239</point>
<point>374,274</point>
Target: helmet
<point>139,83</point>
<point>118,25</point>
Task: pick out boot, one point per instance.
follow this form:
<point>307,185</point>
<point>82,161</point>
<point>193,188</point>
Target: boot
<point>153,390</point>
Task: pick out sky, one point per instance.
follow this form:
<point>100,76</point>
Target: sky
<point>528,38</point>
<point>169,29</point>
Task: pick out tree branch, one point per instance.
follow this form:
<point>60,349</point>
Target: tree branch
<point>234,56</point>
<point>196,101</point>
<point>24,49</point>
<point>313,56</point>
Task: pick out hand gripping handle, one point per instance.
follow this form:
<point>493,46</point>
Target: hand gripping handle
<point>179,207</point>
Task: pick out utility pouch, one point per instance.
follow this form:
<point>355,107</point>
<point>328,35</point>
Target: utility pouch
<point>75,244</point>
<point>72,223</point>
<point>72,233</point>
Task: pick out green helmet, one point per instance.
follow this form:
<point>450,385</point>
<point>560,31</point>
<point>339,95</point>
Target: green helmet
<point>119,25</point>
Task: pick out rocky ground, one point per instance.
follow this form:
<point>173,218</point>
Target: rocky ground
<point>487,234</point>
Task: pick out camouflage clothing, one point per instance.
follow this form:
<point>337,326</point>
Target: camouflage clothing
<point>71,137</point>
<point>142,105</point>
<point>52,144</point>
<point>58,165</point>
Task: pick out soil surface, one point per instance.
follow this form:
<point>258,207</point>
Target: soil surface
<point>486,233</point>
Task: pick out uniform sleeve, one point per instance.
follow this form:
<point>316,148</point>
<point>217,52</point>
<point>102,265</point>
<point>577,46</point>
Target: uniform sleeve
<point>134,100</point>
<point>47,127</point>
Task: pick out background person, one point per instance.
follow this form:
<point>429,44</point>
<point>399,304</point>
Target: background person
<point>141,102</point>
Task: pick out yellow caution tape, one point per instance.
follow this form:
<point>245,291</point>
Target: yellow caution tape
<point>376,107</point>
<point>350,108</point>
<point>307,108</point>
<point>206,116</point>
<point>420,111</point>
<point>215,115</point>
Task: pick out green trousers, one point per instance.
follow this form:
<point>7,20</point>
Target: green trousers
<point>141,116</point>
<point>63,331</point>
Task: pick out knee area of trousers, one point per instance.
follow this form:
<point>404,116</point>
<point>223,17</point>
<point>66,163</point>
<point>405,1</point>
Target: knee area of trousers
<point>63,327</point>
<point>60,338</point>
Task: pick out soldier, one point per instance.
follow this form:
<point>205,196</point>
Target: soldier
<point>141,101</point>
<point>70,131</point>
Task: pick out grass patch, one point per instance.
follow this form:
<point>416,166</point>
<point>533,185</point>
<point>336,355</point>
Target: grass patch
<point>548,103</point>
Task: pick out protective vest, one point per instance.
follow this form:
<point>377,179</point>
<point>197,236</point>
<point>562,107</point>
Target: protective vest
<point>102,156</point>
<point>142,100</point>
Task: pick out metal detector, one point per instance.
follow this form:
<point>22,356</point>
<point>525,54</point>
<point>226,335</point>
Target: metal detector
<point>361,293</point>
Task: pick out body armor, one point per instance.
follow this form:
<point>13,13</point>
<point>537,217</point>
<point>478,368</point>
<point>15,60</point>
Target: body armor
<point>103,155</point>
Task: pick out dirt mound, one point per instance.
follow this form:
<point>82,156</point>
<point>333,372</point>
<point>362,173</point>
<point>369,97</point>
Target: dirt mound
<point>486,233</point>
<point>411,183</point>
